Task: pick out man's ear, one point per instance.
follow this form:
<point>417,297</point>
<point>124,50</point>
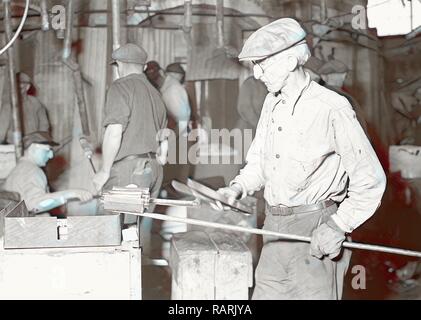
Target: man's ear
<point>292,63</point>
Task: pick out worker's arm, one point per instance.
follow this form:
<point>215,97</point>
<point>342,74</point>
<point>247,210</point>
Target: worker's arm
<point>163,152</point>
<point>53,200</point>
<point>110,147</point>
<point>178,107</point>
<point>367,180</point>
<point>117,113</point>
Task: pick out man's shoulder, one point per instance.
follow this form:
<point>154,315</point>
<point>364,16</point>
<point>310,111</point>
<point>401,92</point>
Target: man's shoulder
<point>24,170</point>
<point>27,166</point>
<point>133,80</point>
<point>327,98</point>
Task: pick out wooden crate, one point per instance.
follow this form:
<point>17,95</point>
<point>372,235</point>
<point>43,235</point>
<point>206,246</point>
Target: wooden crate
<point>210,266</point>
<point>71,273</point>
<point>24,230</point>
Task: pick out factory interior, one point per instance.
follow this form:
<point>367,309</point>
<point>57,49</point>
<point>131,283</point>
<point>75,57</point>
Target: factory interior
<point>138,162</point>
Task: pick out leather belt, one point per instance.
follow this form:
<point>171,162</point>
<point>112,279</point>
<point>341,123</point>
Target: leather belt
<point>287,211</point>
<point>148,155</point>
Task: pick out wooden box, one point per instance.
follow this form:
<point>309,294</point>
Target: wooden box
<point>25,230</point>
<point>71,273</point>
<point>210,266</point>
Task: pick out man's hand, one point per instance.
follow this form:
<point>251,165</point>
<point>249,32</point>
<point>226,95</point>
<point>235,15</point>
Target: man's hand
<point>162,159</point>
<point>231,193</point>
<point>100,179</point>
<point>327,240</point>
<point>162,153</point>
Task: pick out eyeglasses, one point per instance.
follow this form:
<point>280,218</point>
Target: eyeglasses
<point>263,64</point>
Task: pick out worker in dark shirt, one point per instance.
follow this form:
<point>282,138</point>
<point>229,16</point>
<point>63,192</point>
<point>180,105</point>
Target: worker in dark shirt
<point>133,149</point>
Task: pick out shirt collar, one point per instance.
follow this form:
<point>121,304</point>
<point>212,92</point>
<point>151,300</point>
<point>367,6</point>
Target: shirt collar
<point>292,95</point>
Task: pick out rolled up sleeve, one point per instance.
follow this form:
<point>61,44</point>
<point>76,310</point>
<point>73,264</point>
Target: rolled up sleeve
<point>367,180</point>
<point>117,109</point>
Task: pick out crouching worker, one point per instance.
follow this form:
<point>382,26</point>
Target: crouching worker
<point>30,181</point>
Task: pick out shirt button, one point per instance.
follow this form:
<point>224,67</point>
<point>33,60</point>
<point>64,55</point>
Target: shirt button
<point>279,128</point>
<point>277,156</point>
<point>283,101</point>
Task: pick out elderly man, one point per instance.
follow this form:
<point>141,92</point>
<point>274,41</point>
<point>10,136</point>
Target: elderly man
<point>321,176</point>
<point>30,181</point>
<point>133,150</point>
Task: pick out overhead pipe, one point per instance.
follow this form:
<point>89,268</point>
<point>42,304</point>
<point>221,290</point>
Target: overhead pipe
<point>220,23</point>
<point>188,24</point>
<point>323,11</point>
<point>16,118</point>
<point>75,68</point>
<point>116,30</point>
<point>45,24</point>
<point>67,45</point>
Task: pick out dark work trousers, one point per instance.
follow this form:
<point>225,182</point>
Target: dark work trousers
<point>286,270</point>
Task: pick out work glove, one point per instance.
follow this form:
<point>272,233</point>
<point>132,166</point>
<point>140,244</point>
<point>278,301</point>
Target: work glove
<point>327,240</point>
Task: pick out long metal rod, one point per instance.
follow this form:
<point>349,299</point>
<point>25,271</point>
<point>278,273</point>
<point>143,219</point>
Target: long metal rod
<point>175,203</point>
<point>17,128</point>
<point>67,46</point>
<point>346,244</point>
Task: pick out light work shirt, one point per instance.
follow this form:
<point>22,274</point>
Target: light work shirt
<point>29,181</point>
<point>310,147</point>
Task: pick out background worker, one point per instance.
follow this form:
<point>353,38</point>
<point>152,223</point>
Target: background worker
<point>30,181</point>
<point>133,150</point>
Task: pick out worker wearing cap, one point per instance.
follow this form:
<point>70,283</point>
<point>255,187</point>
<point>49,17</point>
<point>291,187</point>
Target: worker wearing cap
<point>132,149</point>
<point>321,176</point>
<point>30,181</point>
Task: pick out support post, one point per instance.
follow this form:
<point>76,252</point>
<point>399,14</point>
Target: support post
<point>17,127</point>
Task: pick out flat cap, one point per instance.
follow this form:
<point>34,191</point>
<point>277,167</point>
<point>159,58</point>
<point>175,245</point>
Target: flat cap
<point>333,66</point>
<point>130,53</point>
<point>273,38</point>
<point>176,68</point>
<point>40,137</point>
<point>24,78</point>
